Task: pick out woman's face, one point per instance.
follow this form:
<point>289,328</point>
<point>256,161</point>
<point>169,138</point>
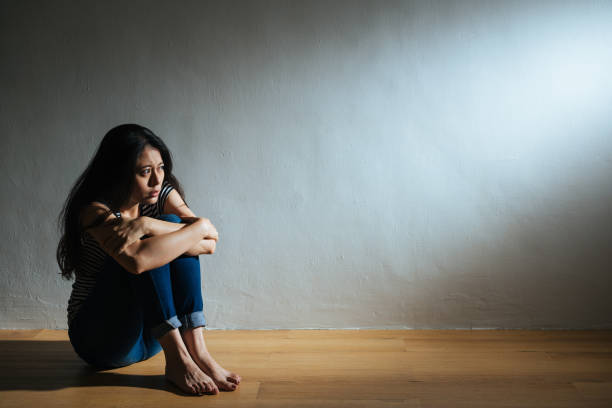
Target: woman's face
<point>149,175</point>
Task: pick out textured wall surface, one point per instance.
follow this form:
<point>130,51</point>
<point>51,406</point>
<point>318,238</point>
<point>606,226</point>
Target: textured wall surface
<point>367,164</point>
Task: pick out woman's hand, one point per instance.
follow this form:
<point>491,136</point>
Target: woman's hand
<point>210,230</point>
<point>204,247</point>
<point>128,231</point>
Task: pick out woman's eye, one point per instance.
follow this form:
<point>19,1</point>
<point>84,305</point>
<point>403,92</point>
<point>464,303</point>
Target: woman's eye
<point>147,171</point>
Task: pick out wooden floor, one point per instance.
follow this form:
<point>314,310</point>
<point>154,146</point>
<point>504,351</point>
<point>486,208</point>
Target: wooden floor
<point>330,368</point>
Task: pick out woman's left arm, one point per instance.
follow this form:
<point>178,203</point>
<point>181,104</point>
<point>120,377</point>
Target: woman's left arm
<point>159,227</point>
<point>175,204</point>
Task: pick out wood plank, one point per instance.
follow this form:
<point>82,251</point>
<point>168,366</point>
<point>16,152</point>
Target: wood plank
<point>18,334</point>
<point>479,394</point>
<point>596,393</point>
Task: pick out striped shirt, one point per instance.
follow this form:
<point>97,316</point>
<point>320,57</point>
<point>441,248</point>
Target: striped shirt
<point>93,256</point>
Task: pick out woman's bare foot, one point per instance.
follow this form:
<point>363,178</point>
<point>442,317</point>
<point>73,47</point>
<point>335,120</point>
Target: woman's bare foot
<point>181,370</point>
<point>224,379</point>
<point>187,376</point>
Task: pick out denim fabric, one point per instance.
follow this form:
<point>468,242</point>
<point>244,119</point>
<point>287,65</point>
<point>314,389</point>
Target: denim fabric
<point>122,318</point>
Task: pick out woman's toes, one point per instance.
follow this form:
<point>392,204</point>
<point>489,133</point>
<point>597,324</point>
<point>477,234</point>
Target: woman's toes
<point>227,386</point>
<point>213,388</point>
<point>204,388</point>
<point>235,378</point>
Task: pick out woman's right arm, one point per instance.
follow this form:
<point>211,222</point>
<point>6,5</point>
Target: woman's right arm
<point>142,255</point>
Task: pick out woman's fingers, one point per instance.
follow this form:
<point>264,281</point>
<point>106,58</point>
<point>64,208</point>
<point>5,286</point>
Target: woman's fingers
<point>212,234</point>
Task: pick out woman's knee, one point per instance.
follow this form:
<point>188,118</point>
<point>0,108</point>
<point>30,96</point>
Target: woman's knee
<point>170,218</point>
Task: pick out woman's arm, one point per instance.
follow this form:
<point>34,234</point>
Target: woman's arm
<point>157,227</point>
<point>176,205</point>
<point>154,226</point>
<point>143,254</point>
<point>204,247</point>
<point>159,250</point>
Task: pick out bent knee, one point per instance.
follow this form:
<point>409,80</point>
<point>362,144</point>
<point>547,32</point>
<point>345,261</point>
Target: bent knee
<point>169,218</point>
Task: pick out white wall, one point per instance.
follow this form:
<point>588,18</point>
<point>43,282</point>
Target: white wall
<point>367,164</point>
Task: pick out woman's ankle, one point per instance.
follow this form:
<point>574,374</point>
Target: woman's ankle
<point>193,339</point>
<point>174,347</point>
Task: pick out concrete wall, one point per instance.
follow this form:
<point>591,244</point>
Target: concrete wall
<point>367,164</point>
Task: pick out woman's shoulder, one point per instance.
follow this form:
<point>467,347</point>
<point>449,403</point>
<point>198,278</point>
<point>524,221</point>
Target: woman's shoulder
<point>94,213</point>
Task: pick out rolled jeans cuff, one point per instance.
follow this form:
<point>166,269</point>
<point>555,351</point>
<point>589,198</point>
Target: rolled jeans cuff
<point>191,320</point>
<point>165,327</point>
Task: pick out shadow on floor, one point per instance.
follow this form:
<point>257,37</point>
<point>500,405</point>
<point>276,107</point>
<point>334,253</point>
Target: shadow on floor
<point>52,365</point>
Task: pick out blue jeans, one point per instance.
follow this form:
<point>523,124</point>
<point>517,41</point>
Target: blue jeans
<point>122,318</point>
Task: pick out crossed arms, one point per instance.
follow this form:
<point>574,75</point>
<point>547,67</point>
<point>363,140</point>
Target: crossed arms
<point>142,243</point>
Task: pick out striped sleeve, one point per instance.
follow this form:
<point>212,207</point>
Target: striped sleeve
<point>163,195</point>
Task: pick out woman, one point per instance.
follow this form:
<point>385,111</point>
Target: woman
<point>134,245</point>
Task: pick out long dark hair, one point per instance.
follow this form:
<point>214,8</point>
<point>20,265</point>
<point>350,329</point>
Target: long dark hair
<point>109,177</point>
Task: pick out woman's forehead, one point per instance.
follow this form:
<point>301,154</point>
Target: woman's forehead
<point>150,156</point>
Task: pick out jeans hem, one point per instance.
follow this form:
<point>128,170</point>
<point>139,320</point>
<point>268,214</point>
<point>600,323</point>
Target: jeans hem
<point>192,320</point>
<point>164,327</point>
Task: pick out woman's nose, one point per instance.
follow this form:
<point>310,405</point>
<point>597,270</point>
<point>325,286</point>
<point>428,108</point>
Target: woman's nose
<point>155,178</point>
